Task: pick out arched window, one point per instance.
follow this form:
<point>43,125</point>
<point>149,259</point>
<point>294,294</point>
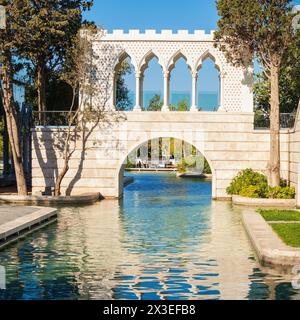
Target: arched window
<point>209,85</point>
<point>124,84</point>
<point>180,84</point>
<point>152,84</point>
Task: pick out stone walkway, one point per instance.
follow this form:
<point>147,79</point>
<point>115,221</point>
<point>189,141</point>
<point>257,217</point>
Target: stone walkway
<point>9,213</point>
<point>17,221</point>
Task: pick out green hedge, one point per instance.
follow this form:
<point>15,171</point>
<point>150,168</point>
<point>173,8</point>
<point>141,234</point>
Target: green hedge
<point>251,184</point>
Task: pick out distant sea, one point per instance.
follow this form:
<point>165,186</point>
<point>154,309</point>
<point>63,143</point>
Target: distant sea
<point>208,101</point>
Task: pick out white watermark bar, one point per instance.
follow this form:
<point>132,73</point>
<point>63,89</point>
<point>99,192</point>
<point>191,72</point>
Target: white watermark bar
<point>2,278</point>
<point>2,17</point>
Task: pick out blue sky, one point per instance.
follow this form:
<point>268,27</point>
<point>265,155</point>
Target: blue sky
<point>154,14</point>
<point>161,14</point>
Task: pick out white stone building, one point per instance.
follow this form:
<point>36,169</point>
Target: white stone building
<point>226,138</point>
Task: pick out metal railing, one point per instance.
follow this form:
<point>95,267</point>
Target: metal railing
<point>262,121</point>
<point>52,118</point>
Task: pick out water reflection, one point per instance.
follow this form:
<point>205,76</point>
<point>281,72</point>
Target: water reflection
<point>165,240</point>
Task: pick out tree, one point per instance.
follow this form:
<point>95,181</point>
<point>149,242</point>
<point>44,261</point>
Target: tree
<point>123,101</point>
<point>183,105</point>
<point>85,79</point>
<point>155,104</point>
<point>45,31</point>
<point>289,85</point>
<point>8,43</point>
<point>262,29</point>
<point>58,93</point>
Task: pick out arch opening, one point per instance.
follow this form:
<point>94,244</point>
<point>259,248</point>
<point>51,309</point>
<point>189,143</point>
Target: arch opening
<point>209,84</point>
<point>168,154</point>
<point>152,84</point>
<point>180,84</point>
<point>124,79</point>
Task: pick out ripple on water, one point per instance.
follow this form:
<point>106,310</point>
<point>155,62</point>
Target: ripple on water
<point>165,240</point>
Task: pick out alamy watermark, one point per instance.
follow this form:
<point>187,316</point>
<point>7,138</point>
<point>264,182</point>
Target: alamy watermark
<point>2,278</point>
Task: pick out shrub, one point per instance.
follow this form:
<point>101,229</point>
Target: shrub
<point>207,169</point>
<point>281,192</point>
<point>251,184</point>
<point>247,178</point>
<point>283,183</point>
<point>129,164</point>
<point>181,167</point>
<point>190,161</point>
<point>251,192</point>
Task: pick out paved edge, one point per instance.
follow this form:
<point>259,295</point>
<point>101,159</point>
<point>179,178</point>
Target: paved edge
<point>19,225</point>
<point>276,203</point>
<point>269,248</point>
<point>88,198</point>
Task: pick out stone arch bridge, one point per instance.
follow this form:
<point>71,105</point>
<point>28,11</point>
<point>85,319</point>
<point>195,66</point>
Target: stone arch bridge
<point>226,137</point>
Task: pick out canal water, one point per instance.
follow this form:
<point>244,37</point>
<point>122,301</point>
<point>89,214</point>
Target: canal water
<point>165,240</point>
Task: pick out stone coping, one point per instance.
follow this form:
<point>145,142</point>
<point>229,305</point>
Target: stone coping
<point>270,249</point>
<point>154,35</point>
<point>88,198</point>
<point>258,202</point>
<point>16,226</point>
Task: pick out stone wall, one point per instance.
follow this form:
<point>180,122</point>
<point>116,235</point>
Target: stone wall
<point>294,155</point>
<point>112,48</point>
<point>227,140</point>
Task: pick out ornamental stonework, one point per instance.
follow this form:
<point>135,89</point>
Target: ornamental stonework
<point>236,83</point>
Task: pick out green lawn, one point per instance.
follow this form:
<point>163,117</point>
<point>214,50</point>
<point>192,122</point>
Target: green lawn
<point>288,232</point>
<point>280,215</point>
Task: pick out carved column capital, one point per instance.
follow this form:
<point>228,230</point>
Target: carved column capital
<point>195,74</point>
<point>138,74</point>
<point>166,74</point>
